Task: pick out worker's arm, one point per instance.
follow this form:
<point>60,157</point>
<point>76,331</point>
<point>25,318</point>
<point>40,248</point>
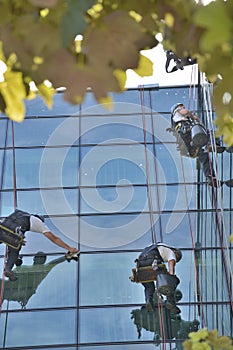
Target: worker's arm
<point>56,240</point>
<point>189,114</point>
<point>171,266</point>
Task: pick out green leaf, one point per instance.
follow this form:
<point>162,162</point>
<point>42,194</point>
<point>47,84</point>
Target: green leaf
<point>44,3</point>
<point>217,22</point>
<point>73,21</point>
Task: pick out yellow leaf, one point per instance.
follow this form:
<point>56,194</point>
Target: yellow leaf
<point>145,66</point>
<point>121,77</point>
<point>107,102</point>
<point>169,19</point>
<point>14,92</point>
<point>231,238</point>
<point>200,335</point>
<point>47,94</point>
<point>2,57</point>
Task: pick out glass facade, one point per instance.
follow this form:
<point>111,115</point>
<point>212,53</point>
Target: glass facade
<point>110,181</point>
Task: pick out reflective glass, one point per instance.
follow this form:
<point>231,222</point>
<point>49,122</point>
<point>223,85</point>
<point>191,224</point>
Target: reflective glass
<point>113,231</point>
<point>86,168</point>
<point>214,264</point>
<point>126,346</point>
<point>114,268</point>
<point>4,134</point>
<point>40,131</point>
<point>177,228</point>
<point>42,283</point>
<point>39,328</point>
<point>7,202</point>
<point>111,200</point>
<point>6,170</point>
<point>115,129</point>
<point>163,99</point>
<point>119,324</point>
<point>110,165</point>
<point>175,197</point>
<point>170,165</point>
<point>53,167</point>
<point>33,200</point>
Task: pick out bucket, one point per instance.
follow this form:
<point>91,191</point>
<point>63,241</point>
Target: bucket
<point>166,283</point>
<point>199,136</point>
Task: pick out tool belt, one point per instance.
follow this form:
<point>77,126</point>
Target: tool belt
<point>11,238</point>
<point>146,273</point>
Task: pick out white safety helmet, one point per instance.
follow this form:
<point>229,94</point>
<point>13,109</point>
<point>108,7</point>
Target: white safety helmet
<point>175,106</point>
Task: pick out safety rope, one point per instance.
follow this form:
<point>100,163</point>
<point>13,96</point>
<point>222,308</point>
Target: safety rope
<point>198,287</point>
<point>150,203</point>
<point>1,185</point>
<point>220,218</point>
<point>15,199</point>
<point>192,92</point>
<point>13,164</point>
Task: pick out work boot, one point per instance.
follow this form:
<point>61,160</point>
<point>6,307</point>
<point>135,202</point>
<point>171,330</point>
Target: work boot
<point>229,149</point>
<point>172,307</point>
<point>212,181</point>
<point>229,183</point>
<point>10,274</point>
<point>150,305</point>
<point>218,148</point>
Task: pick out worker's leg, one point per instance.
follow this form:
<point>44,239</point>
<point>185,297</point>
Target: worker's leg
<point>171,304</point>
<point>149,289</point>
<point>12,257</point>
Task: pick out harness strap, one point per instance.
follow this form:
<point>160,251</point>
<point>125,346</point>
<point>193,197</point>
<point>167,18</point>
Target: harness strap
<point>9,230</point>
<point>179,62</point>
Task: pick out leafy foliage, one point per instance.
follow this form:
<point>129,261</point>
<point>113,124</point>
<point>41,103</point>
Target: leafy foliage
<point>38,42</point>
<point>207,340</point>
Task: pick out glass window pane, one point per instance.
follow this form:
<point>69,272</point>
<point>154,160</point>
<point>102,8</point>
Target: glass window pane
<point>43,201</point>
<point>42,328</point>
<point>37,132</point>
<point>54,167</point>
<point>177,229</point>
<point>39,279</point>
<point>113,231</point>
<point>114,268</point>
<point>103,328</point>
<point>110,165</point>
<point>115,129</point>
<point>6,170</point>
<point>112,200</point>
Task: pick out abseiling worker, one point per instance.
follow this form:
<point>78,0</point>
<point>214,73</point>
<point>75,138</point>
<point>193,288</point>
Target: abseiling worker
<point>155,256</point>
<point>20,221</point>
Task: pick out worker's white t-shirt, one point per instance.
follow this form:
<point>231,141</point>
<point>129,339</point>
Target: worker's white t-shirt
<point>166,253</point>
<point>36,225</point>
